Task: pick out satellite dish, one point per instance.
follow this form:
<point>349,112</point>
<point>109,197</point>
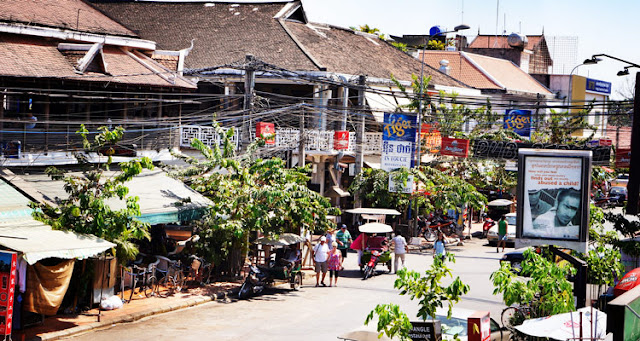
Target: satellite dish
<point>435,30</point>
<point>517,40</point>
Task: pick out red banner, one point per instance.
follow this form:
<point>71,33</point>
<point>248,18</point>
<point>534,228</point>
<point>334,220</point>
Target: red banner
<point>263,129</point>
<point>454,147</point>
<point>430,137</point>
<point>605,142</point>
<point>8,263</point>
<point>623,157</point>
<point>341,140</point>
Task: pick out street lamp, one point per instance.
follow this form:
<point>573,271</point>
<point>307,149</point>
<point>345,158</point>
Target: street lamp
<point>420,94</point>
<point>590,61</point>
<point>633,187</point>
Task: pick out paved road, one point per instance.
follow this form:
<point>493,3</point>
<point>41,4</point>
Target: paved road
<point>311,313</point>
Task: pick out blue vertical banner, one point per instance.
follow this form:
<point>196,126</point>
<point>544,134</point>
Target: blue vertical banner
<point>398,141</point>
<point>519,121</point>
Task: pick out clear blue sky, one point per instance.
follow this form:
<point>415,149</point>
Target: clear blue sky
<point>609,27</point>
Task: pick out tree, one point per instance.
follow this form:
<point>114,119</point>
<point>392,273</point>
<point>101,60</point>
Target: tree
<point>249,195</point>
<point>86,209</point>
<point>559,128</point>
<point>428,289</point>
<point>367,29</point>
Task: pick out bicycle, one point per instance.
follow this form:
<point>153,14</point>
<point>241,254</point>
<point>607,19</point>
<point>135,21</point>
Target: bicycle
<point>172,280</point>
<point>515,315</point>
<point>199,270</point>
<point>145,285</point>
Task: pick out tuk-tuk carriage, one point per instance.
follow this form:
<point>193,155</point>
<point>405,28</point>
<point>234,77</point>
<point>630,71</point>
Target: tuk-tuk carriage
<point>375,247</point>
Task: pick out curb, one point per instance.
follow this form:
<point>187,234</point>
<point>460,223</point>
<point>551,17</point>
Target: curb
<point>56,335</point>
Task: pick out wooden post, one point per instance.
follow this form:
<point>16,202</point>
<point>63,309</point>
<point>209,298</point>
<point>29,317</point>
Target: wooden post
<point>360,134</point>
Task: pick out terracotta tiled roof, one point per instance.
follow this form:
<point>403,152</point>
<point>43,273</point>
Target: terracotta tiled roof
<point>223,32</point>
<point>22,56</point>
<point>66,14</point>
<point>500,42</point>
<point>460,68</point>
<point>484,72</point>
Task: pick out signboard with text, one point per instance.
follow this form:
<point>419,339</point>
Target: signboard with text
<point>454,147</point>
<point>8,263</point>
<point>519,121</point>
<point>397,186</point>
<point>425,331</point>
<point>479,326</point>
<point>553,192</point>
<point>398,141</point>
<point>430,137</point>
<point>595,85</point>
<point>623,157</point>
<point>264,129</point>
<point>509,150</point>
<point>341,140</point>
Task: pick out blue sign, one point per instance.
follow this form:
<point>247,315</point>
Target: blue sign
<point>399,127</point>
<point>519,121</point>
<point>598,86</point>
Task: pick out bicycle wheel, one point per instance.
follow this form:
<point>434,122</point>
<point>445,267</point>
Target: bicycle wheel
<point>149,286</point>
<point>162,287</point>
<point>297,281</point>
<point>510,317</point>
<point>245,290</point>
<point>368,271</point>
<point>179,281</point>
<point>430,236</point>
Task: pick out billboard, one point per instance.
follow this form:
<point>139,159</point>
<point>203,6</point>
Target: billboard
<point>8,262</point>
<point>430,137</point>
<point>519,121</point>
<point>553,198</point>
<point>398,141</point>
<point>598,86</point>
<point>454,147</point>
<point>264,129</point>
<point>340,140</point>
<point>623,157</point>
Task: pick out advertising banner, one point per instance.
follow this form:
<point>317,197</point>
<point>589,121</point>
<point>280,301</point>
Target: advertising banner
<point>341,140</point>
<point>396,186</point>
<point>454,147</point>
<point>595,85</point>
<point>553,198</point>
<point>398,141</point>
<point>623,157</point>
<point>519,121</point>
<point>430,137</point>
<point>8,262</point>
<point>263,129</point>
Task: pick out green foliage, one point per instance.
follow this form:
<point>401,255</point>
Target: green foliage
<point>367,29</point>
<point>86,209</point>
<point>400,46</point>
<point>427,289</point>
<point>558,128</point>
<point>435,45</point>
<point>547,292</point>
<point>250,194</point>
<point>628,228</point>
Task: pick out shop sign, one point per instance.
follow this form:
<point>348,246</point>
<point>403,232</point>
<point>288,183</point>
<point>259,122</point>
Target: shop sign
<point>398,141</point>
<point>341,140</point>
<point>264,129</point>
<point>519,121</point>
<point>479,326</point>
<point>623,157</point>
<point>598,86</point>
<point>454,147</point>
<point>8,262</point>
<point>430,137</point>
<point>509,150</point>
<point>425,331</point>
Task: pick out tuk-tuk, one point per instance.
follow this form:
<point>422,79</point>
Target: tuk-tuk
<point>376,249</point>
<point>282,265</point>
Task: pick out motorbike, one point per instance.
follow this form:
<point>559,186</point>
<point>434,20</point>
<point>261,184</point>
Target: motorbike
<point>488,224</point>
<point>284,269</point>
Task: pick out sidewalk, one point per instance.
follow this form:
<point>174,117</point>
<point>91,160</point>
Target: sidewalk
<point>56,327</point>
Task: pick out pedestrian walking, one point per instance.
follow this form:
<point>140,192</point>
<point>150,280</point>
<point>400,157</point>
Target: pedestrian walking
<point>320,255</point>
<point>334,263</point>
<point>439,248</point>
<point>502,233</point>
<point>400,248</point>
<point>330,237</point>
<point>343,237</point>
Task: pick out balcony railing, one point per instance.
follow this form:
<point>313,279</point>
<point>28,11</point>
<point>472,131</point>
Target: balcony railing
<point>286,138</point>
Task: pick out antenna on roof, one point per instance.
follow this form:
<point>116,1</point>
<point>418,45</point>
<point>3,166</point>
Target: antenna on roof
<point>462,12</point>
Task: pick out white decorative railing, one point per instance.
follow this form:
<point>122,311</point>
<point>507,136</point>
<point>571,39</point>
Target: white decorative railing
<point>286,138</point>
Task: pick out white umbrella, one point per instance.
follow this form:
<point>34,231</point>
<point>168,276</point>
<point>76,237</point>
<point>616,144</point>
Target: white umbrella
<point>567,326</point>
<point>282,240</point>
<point>500,202</point>
<point>375,228</point>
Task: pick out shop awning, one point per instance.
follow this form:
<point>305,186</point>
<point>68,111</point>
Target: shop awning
<point>36,240</point>
<point>162,199</point>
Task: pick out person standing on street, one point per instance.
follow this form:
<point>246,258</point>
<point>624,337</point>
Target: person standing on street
<point>439,246</point>
<point>343,238</point>
<point>320,255</point>
<point>502,233</point>
<point>400,249</point>
<point>334,263</point>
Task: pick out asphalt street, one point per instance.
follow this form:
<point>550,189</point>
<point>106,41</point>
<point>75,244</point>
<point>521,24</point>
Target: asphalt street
<point>313,313</point>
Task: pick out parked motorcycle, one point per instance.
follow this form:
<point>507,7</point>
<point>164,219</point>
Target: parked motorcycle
<point>488,224</point>
<point>254,283</point>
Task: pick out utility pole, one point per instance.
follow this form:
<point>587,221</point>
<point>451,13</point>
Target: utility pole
<point>360,133</point>
<point>249,84</point>
<point>634,164</point>
<point>301,154</point>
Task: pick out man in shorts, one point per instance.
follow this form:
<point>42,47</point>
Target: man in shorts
<point>320,255</point>
<point>502,233</point>
<point>343,237</point>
